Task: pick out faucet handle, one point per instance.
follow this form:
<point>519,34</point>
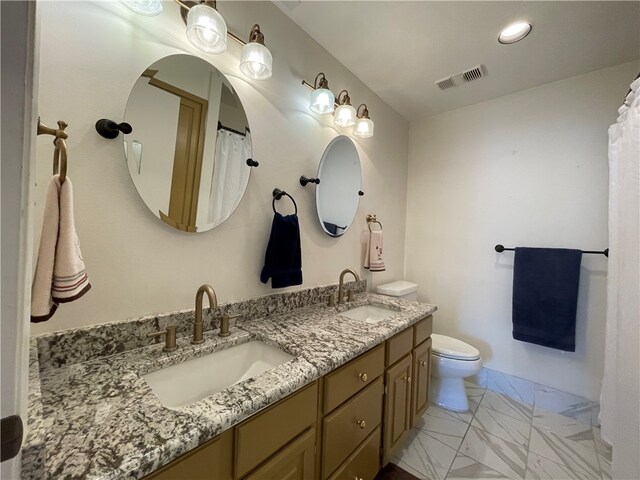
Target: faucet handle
<point>350,293</point>
<point>169,339</point>
<point>331,300</point>
<point>224,324</point>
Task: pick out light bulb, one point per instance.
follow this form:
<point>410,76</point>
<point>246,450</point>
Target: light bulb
<point>149,8</point>
<point>256,61</point>
<point>206,29</point>
<point>514,32</point>
<point>322,101</point>
<point>345,116</point>
<point>364,128</point>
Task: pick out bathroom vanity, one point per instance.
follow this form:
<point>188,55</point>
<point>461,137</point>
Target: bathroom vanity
<point>357,381</point>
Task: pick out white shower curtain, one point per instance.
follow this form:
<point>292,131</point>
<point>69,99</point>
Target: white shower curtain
<point>620,397</point>
<point>230,174</point>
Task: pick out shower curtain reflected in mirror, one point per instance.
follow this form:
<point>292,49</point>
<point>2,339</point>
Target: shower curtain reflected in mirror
<point>230,176</point>
<point>620,397</point>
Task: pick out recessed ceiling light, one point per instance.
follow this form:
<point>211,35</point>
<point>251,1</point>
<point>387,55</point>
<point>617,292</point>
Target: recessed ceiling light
<point>515,32</point>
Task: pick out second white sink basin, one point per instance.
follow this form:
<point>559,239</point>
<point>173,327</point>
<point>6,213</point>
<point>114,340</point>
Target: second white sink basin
<point>187,382</point>
<point>369,313</point>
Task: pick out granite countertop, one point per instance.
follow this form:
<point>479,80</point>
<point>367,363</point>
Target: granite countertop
<point>99,419</point>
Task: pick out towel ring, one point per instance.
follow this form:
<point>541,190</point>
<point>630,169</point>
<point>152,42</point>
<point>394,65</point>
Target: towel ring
<point>60,150</point>
<point>277,195</point>
<point>60,159</point>
<point>372,219</point>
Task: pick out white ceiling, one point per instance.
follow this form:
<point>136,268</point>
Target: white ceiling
<point>399,49</point>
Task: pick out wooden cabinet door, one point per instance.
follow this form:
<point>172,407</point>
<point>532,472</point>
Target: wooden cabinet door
<point>421,378</point>
<point>397,406</point>
<point>294,462</point>
<point>211,461</point>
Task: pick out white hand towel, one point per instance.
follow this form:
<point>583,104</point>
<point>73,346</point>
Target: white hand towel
<point>373,255</point>
<point>60,275</point>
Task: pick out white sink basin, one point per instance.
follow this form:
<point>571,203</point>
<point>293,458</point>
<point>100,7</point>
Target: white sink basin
<point>195,379</point>
<point>369,313</point>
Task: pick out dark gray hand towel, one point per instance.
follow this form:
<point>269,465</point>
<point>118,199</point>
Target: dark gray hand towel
<point>545,296</point>
<point>283,259</point>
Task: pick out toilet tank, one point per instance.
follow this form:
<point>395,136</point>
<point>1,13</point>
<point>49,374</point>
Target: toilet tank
<point>401,289</point>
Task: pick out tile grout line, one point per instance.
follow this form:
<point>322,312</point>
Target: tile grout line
<point>533,410</point>
<point>465,435</point>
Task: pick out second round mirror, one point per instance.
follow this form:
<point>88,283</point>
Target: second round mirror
<point>337,194</point>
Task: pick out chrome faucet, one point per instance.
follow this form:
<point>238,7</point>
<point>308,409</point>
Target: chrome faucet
<point>198,325</point>
<point>341,284</point>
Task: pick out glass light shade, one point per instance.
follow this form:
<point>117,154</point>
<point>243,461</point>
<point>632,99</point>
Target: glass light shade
<point>206,29</point>
<point>364,128</point>
<point>256,61</point>
<point>150,8</point>
<point>322,101</point>
<point>515,32</point>
<point>345,116</point>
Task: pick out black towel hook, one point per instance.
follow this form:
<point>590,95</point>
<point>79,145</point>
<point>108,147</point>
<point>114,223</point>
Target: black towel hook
<point>277,195</point>
<point>304,180</point>
<point>110,129</point>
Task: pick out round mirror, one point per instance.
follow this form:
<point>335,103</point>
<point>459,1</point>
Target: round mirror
<point>337,194</point>
<point>187,154</point>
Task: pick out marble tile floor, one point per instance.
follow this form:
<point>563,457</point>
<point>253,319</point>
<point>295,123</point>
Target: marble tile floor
<point>534,433</point>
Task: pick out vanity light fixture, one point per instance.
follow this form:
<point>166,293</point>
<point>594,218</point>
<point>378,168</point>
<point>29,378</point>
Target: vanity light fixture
<point>364,125</point>
<point>345,115</point>
<point>149,8</point>
<point>206,29</point>
<point>256,61</point>
<point>514,32</point>
<point>322,99</point>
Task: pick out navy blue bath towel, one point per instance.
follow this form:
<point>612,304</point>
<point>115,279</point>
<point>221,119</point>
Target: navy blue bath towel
<point>283,260</point>
<point>545,296</point>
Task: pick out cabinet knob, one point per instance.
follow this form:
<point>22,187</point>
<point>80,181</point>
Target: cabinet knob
<point>407,379</point>
<point>363,377</point>
<point>361,423</point>
<point>423,363</point>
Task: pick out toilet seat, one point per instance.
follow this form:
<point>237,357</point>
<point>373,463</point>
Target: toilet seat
<point>449,347</point>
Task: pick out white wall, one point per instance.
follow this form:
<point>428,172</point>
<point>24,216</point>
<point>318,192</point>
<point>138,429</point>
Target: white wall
<point>92,54</point>
<point>528,169</point>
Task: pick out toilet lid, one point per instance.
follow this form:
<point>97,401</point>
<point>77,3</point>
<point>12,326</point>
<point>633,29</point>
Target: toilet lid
<point>453,348</point>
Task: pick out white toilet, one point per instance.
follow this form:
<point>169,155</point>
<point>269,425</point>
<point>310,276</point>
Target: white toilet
<point>452,360</point>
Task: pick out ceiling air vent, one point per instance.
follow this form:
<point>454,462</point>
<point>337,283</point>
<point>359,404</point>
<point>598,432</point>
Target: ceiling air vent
<point>474,73</point>
<point>458,79</point>
<point>445,83</point>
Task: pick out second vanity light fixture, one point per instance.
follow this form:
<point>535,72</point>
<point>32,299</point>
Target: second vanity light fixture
<point>207,31</point>
<point>322,101</point>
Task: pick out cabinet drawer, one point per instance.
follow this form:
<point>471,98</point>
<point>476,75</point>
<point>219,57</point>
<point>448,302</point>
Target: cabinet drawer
<point>349,425</point>
<point>422,330</point>
<point>399,345</point>
<point>211,461</point>
<point>265,433</point>
<point>352,377</point>
<point>364,463</point>
<point>295,462</point>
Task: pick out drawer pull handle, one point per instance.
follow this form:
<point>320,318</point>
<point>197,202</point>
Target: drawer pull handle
<point>357,478</point>
<point>361,423</point>
<point>363,377</point>
<point>423,363</point>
